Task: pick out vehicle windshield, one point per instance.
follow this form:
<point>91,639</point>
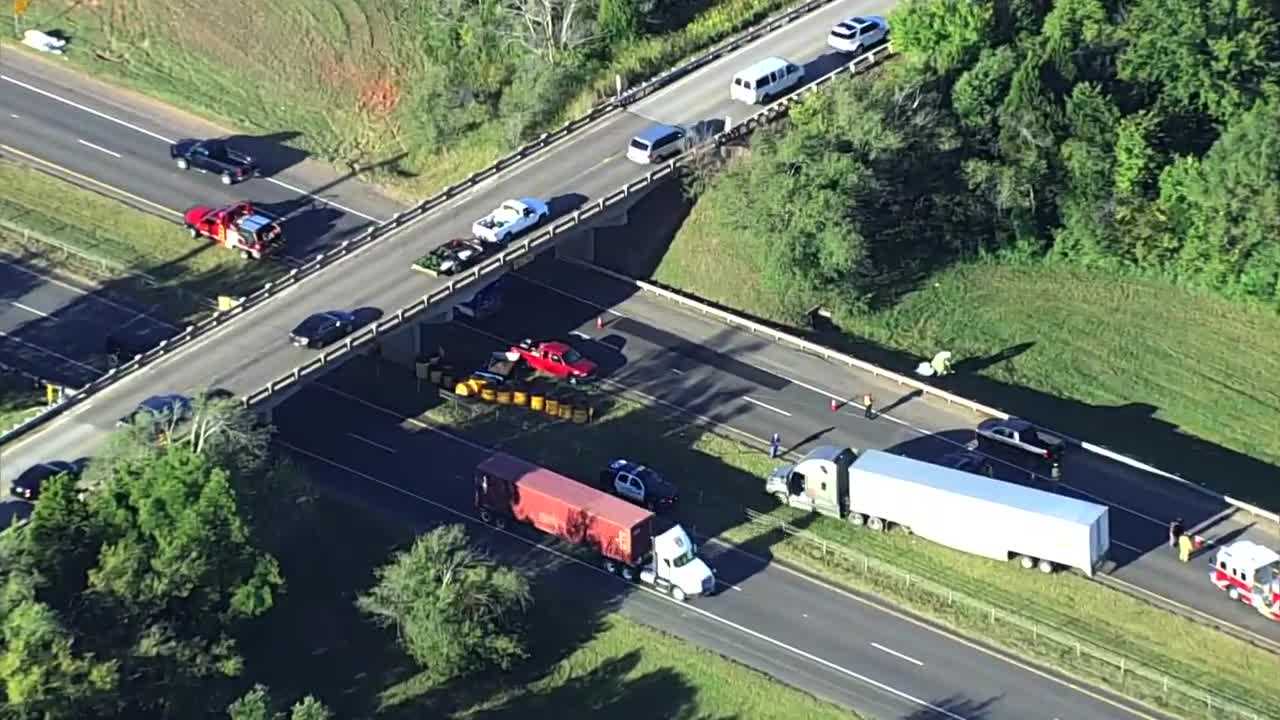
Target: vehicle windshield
<point>571,356</point>
<point>684,559</point>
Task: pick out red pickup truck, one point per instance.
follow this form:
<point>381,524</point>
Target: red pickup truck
<point>556,359</point>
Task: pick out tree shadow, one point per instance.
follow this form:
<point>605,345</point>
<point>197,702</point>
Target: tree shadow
<point>954,706</point>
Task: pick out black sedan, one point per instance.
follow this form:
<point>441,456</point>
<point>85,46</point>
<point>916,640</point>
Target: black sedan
<point>159,410</point>
<point>323,328</point>
<point>28,485</point>
<point>215,156</point>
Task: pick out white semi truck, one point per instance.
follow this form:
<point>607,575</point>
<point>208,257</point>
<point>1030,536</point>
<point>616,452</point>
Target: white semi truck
<point>968,512</point>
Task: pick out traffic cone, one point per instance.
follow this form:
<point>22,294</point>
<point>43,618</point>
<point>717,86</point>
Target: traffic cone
<point>835,406</point>
<point>599,322</point>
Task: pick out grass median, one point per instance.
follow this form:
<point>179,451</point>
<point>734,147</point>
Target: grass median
<point>1087,352</point>
<point>315,641</point>
<point>52,222</point>
<point>355,80</point>
<point>1070,621</point>
<point>20,398</point>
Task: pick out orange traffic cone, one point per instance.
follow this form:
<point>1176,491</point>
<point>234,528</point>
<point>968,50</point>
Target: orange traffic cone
<point>599,322</point>
<point>835,406</point>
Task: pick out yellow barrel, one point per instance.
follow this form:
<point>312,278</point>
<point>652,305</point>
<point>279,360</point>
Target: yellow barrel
<point>580,416</point>
<point>434,376</point>
<point>504,397</point>
<point>462,389</point>
<point>553,407</point>
<point>519,398</point>
<point>488,394</point>
<point>536,403</point>
<point>566,412</point>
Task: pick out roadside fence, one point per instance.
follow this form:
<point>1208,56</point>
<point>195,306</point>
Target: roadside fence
<point>1077,655</point>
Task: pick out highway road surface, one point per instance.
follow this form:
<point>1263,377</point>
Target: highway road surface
<point>116,143</point>
<point>805,633</point>
<point>251,351</point>
<point>747,383</point>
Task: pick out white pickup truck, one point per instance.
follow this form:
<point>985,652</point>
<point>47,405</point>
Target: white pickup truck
<point>510,219</point>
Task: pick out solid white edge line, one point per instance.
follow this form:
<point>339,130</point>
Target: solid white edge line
<point>30,309</point>
<point>367,441</point>
<point>317,198</point>
<point>86,108</point>
<point>766,406</point>
<point>99,148</point>
<point>87,293</point>
<point>896,654</point>
<point>685,606</point>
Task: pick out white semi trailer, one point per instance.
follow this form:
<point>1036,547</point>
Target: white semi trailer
<point>968,512</point>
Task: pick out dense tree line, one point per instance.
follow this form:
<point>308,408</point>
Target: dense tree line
<point>1138,136</point>
<point>125,593</point>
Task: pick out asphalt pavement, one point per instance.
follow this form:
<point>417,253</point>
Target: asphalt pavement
<point>750,384</point>
<point>805,633</point>
<point>253,350</point>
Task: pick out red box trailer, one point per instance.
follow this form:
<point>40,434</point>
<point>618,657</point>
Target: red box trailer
<point>507,486</point>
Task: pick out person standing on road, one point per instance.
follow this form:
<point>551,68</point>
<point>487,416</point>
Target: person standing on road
<point>1175,532</point>
<point>868,404</point>
<point>775,445</point>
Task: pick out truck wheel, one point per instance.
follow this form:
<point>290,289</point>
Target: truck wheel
<point>875,523</point>
<point>244,254</point>
<point>677,594</point>
<point>781,498</point>
<point>1233,593</point>
<point>486,517</point>
<point>500,523</point>
<point>857,519</point>
<point>610,567</point>
<point>193,232</point>
<point>1045,567</point>
<point>183,164</point>
<point>1027,562</point>
<point>227,179</point>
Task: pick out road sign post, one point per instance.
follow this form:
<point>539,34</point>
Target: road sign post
<point>19,9</point>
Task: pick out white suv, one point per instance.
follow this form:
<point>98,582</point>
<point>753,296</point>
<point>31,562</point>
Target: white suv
<point>857,33</point>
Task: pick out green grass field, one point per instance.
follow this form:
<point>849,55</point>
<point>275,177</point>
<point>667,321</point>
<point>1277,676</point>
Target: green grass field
<point>1181,379</point>
<point>333,71</point>
<point>316,642</point>
<point>47,220</point>
<point>720,478</point>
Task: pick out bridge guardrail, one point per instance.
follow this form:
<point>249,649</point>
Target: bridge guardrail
<point>400,220</point>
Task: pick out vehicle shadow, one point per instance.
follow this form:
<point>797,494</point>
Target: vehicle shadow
<point>365,316</point>
<point>562,205</point>
<point>270,151</point>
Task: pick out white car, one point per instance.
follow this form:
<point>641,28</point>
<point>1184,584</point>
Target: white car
<point>510,219</point>
<point>858,33</point>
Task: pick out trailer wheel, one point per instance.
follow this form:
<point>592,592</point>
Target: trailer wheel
<point>875,523</point>
<point>1027,562</point>
<point>1045,567</point>
<point>500,523</point>
<point>183,164</point>
<point>857,519</point>
<point>677,594</point>
<point>486,517</point>
<point>628,574</point>
<point>610,567</point>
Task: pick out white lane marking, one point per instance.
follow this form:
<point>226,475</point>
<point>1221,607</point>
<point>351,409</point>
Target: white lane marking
<point>580,335</point>
<point>304,193</point>
<point>47,351</point>
<point>87,293</point>
<point>367,441</point>
<point>99,148</point>
<point>14,116</point>
<point>30,309</point>
<point>85,178</point>
<point>677,372</point>
<point>896,654</point>
<point>688,607</point>
<point>170,141</point>
<point>766,406</point>
<point>85,108</point>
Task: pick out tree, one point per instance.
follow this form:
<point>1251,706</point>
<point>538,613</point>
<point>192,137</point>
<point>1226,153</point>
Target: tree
<point>453,609</point>
<point>943,35</point>
<point>256,705</point>
<point>619,20</point>
<point>42,674</point>
<point>552,29</point>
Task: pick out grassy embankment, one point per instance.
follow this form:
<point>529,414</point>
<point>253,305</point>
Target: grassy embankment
<point>335,72</point>
<point>1182,379</point>
<point>316,642</point>
<point>129,252</point>
<point>20,398</point>
<point>721,477</point>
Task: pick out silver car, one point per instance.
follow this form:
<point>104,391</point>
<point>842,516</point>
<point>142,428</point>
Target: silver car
<point>656,143</point>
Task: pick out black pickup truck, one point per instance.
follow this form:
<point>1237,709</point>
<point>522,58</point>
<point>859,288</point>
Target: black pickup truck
<point>214,156</point>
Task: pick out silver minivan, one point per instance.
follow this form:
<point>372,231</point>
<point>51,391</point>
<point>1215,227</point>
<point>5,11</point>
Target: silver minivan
<point>657,143</point>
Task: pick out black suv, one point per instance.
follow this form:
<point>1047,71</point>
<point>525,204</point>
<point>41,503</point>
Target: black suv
<point>28,485</point>
<point>639,484</point>
<point>215,156</point>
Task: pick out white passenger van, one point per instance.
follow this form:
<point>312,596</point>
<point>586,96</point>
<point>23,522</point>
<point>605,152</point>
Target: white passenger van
<point>766,79</point>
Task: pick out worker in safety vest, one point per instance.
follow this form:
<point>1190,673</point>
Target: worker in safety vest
<point>941,364</point>
<point>1184,547</point>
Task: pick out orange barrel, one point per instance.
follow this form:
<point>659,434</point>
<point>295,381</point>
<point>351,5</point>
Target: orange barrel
<point>566,412</point>
<point>553,407</point>
<point>504,397</point>
<point>536,403</point>
<point>519,398</point>
<point>580,416</point>
<point>488,394</point>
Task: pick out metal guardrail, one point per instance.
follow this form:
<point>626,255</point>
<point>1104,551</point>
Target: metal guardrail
<point>402,219</point>
<point>1125,675</point>
<point>557,229</point>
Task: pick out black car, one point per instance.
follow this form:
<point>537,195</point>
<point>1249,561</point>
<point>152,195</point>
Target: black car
<point>215,156</point>
<point>323,328</point>
<point>28,485</point>
<point>159,409</point>
<point>640,484</point>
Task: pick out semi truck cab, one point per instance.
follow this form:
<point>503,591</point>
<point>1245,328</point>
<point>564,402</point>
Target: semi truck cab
<point>818,483</point>
<point>676,567</point>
